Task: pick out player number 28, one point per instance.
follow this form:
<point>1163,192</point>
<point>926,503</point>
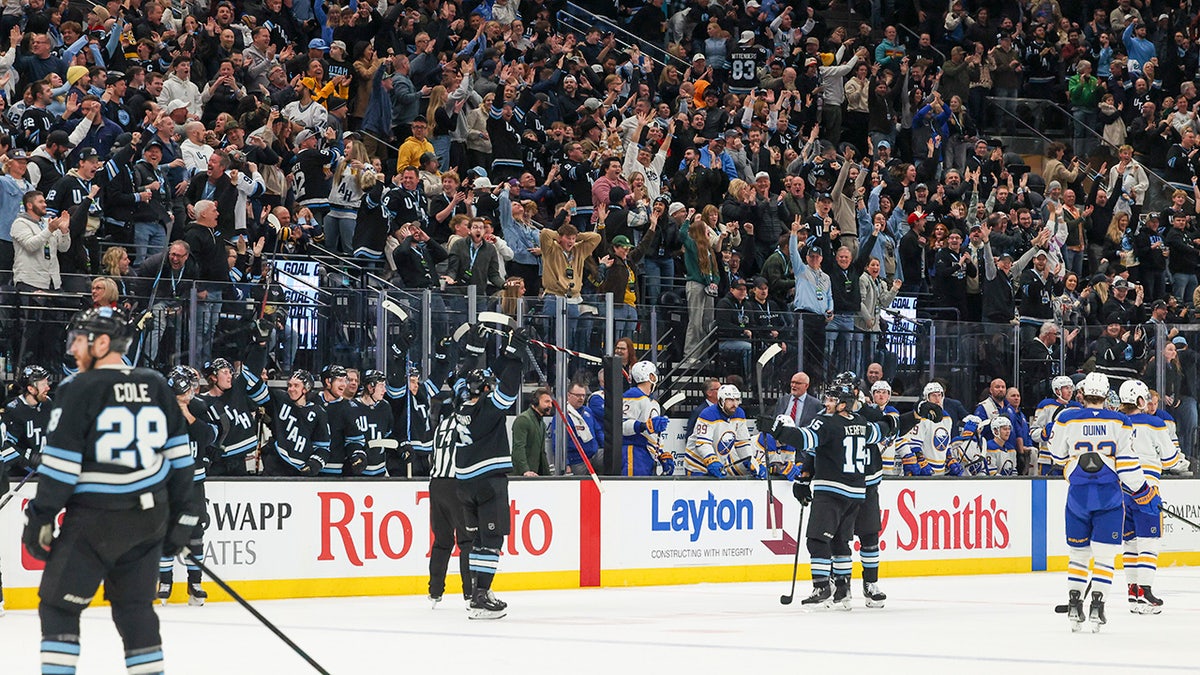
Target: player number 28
<point>130,439</point>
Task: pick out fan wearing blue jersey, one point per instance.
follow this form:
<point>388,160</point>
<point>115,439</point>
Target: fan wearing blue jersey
<point>1155,451</point>
<point>720,441</point>
<point>643,421</point>
<point>1094,447</point>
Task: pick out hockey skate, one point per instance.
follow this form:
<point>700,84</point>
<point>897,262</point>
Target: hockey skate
<point>164,592</point>
<point>821,597</point>
<point>1,608</point>
<point>434,600</point>
<point>841,594</point>
<point>1151,603</point>
<point>1075,610</point>
<point>874,597</point>
<point>485,605</point>
<point>1137,603</point>
<point>196,595</point>
<point>1096,612</point>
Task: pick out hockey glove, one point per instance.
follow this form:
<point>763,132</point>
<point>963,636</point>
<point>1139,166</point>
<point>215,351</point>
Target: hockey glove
<point>802,492</point>
<point>668,464</point>
<point>38,535</point>
<point>714,466</point>
<point>769,425</point>
<point>179,533</point>
<point>1147,499</point>
<point>792,471</point>
<point>929,411</point>
<point>518,340</point>
<point>659,423</point>
<point>312,466</point>
<point>760,471</point>
<point>954,469</point>
<point>970,426</point>
<point>355,465</point>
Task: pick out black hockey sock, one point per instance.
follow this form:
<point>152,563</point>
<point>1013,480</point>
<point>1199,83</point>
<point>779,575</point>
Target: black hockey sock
<point>138,625</point>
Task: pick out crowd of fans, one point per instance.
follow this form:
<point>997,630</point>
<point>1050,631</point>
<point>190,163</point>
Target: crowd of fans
<point>781,175</point>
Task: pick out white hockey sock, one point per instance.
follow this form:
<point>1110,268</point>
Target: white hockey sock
<point>1077,568</point>
<point>1102,567</point>
<point>1147,565</point>
<point>1129,558</point>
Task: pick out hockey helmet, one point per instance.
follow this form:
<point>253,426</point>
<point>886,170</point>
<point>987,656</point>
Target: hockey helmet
<point>1001,422</point>
<point>372,377</point>
<point>1134,392</point>
<point>727,391</point>
<point>932,388</point>
<point>478,381</point>
<point>847,377</point>
<point>211,368</point>
<point>110,321</point>
<point>332,372</point>
<point>305,378</point>
<point>1095,384</point>
<point>31,375</point>
<point>181,379</point>
<point>844,393</point>
<point>881,385</point>
<point>643,371</point>
<point>1060,382</point>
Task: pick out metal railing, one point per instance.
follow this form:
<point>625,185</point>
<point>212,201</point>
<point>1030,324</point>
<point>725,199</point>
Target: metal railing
<point>581,20</point>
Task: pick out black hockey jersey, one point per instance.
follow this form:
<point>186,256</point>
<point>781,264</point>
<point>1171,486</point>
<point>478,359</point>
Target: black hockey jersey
<point>202,434</point>
<point>312,176</point>
<point>477,431</point>
<point>115,440</point>
<point>375,423</point>
<point>839,456</point>
<point>26,427</point>
<point>301,431</point>
<point>744,62</point>
<point>235,409</point>
<point>345,435</point>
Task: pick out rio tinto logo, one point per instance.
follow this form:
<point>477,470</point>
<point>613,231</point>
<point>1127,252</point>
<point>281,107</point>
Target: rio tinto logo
<point>970,523</point>
<point>358,530</point>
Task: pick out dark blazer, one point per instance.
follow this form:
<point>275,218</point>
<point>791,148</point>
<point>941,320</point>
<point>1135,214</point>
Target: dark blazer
<point>809,408</point>
<point>224,194</point>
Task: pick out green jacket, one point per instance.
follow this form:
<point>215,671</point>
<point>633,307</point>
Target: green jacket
<point>691,260</point>
<point>529,444</point>
<point>1084,94</point>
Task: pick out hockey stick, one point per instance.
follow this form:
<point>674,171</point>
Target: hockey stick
<point>1165,510</point>
<point>506,320</point>
<point>763,360</point>
<point>13,493</point>
<point>578,446</point>
<point>787,599</point>
<point>394,309</point>
<point>672,401</point>
<point>242,601</point>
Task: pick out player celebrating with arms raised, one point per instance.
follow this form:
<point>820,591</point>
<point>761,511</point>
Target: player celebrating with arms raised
<point>836,468</point>
<point>1094,446</point>
<point>117,458</point>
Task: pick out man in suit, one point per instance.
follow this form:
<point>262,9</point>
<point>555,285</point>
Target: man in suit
<point>798,404</point>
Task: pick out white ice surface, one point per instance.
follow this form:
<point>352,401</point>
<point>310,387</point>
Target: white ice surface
<point>960,624</point>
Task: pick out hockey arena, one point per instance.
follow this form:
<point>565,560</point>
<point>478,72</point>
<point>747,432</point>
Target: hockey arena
<point>630,577</point>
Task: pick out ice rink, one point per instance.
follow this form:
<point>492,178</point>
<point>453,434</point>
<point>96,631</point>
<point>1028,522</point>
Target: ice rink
<point>959,624</point>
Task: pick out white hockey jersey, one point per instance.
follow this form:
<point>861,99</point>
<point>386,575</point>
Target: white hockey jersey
<point>1105,433</point>
<point>931,440</point>
<point>1152,445</point>
<point>720,438</point>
